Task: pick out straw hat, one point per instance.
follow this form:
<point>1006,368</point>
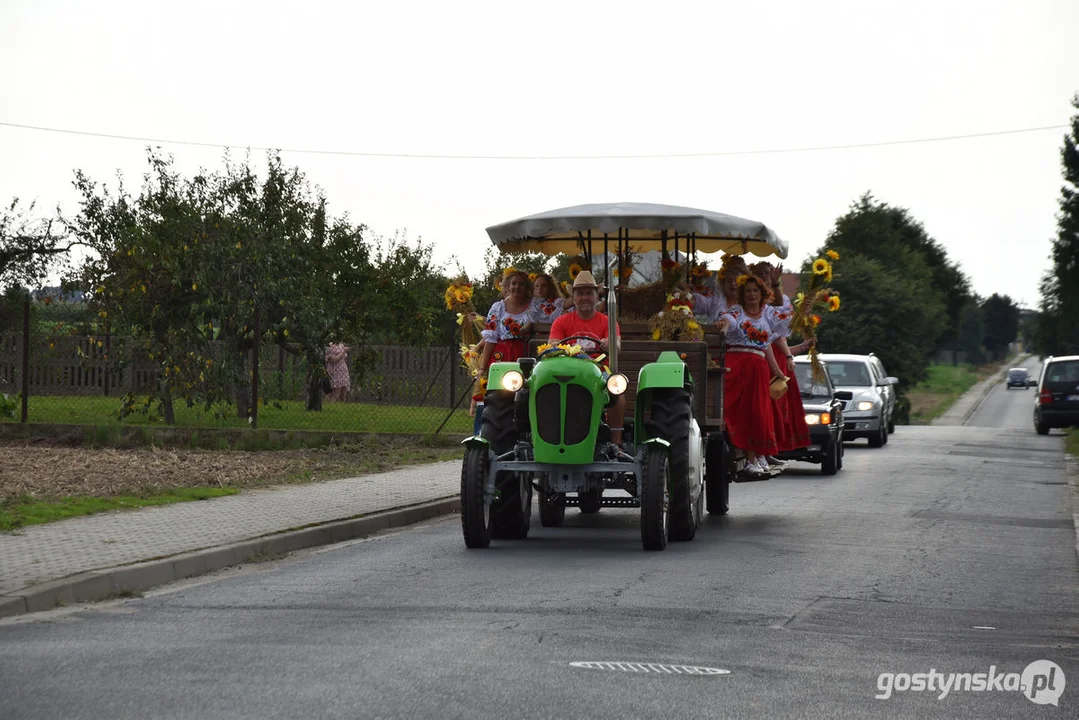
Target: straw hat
<point>778,387</point>
<point>585,280</point>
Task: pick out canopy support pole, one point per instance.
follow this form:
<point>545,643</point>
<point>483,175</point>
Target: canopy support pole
<point>606,262</point>
<point>619,256</point>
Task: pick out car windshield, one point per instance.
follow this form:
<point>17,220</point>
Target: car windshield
<point>804,373</point>
<point>850,373</point>
<point>1017,373</point>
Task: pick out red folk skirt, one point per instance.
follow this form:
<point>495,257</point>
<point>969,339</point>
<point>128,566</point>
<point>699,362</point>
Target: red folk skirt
<point>797,432</point>
<point>747,406</point>
<point>508,351</point>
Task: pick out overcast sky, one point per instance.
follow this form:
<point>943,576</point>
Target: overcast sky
<point>571,79</point>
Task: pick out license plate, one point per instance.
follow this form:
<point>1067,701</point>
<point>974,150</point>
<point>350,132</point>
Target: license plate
<point>1072,398</point>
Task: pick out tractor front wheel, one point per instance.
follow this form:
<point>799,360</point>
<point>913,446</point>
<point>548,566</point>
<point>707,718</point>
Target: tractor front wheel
<point>475,513</point>
<point>672,415</point>
<point>655,498</point>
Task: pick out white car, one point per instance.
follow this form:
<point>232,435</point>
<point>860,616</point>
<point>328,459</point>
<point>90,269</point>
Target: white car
<point>871,412</point>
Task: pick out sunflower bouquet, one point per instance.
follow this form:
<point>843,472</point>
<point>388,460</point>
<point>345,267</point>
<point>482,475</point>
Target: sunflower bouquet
<point>810,303</point>
<point>458,298</point>
<point>677,321</point>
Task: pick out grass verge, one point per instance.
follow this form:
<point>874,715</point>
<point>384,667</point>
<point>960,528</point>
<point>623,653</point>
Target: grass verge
<point>945,384</point>
<point>1071,443</point>
<point>285,415</point>
<point>25,510</point>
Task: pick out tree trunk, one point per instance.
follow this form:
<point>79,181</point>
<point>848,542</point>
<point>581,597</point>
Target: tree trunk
<point>314,394</point>
<point>166,407</point>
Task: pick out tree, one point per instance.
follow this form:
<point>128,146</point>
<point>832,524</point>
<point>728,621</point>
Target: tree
<point>899,242</point>
<point>1001,317</point>
<point>200,270</point>
<point>1058,320</point>
<point>884,312</point>
<point>29,246</point>
<point>972,333</point>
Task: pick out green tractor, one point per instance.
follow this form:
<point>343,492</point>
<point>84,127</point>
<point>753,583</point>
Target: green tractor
<point>544,428</point>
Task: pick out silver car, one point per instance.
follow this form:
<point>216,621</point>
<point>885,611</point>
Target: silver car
<point>871,412</point>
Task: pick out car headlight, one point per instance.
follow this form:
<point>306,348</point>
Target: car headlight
<point>818,418</point>
<point>865,405</point>
<point>512,381</point>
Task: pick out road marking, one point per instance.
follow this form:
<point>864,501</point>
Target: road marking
<point>984,627</point>
<point>648,668</point>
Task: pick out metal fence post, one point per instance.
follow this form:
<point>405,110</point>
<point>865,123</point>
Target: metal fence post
<point>255,376</point>
<point>25,357</point>
<point>453,376</point>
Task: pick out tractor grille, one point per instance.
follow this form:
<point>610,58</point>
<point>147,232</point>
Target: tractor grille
<point>549,414</point>
<point>578,414</point>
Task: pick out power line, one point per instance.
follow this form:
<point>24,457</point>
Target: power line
<point>654,156</point>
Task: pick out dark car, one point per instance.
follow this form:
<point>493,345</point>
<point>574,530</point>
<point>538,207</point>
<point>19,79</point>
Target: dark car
<point>1057,403</point>
<point>824,415</point>
<point>1018,377</point>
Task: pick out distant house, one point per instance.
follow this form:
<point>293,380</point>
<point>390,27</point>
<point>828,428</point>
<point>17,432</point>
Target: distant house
<point>55,293</point>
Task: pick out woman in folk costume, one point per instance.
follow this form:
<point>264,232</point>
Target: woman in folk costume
<point>548,303</point>
<point>509,322</point>
<point>747,408</point>
<point>792,432</point>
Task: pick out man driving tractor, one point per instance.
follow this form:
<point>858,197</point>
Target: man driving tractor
<point>590,329</point>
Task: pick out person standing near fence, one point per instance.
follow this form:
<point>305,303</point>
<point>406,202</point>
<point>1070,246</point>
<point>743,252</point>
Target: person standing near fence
<point>337,369</point>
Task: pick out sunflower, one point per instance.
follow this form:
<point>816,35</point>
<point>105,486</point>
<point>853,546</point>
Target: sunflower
<point>509,271</point>
<point>532,276</point>
<point>543,348</point>
<point>574,271</point>
<point>833,303</point>
<point>821,266</point>
<point>832,254</point>
<point>815,319</point>
<point>742,280</point>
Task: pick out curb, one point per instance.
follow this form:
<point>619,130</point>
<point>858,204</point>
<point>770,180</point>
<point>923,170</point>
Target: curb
<point>119,581</point>
<point>1071,471</point>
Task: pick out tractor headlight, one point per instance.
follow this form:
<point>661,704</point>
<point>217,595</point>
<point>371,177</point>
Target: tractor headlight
<point>812,419</point>
<point>513,381</point>
<point>865,406</point>
<point>617,384</point>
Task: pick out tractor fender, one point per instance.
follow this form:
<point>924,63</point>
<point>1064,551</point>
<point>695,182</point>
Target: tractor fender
<point>662,374</point>
<point>657,441</point>
<point>476,441</point>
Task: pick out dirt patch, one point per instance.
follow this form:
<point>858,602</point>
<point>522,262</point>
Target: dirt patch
<point>50,472</point>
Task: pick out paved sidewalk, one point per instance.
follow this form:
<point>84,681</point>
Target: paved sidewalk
<point>81,559</point>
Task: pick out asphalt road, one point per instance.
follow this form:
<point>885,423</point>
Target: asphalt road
<point>951,549</point>
<point>1004,408</point>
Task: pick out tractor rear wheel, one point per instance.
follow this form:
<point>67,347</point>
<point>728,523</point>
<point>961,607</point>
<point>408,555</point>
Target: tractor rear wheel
<point>552,509</point>
<point>717,482</point>
<point>498,425</point>
<point>590,501</point>
<point>511,510</point>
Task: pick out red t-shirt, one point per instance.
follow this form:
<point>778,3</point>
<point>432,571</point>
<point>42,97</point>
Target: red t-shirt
<point>571,324</point>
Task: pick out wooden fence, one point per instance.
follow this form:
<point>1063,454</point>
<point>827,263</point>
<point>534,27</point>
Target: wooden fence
<point>78,365</point>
